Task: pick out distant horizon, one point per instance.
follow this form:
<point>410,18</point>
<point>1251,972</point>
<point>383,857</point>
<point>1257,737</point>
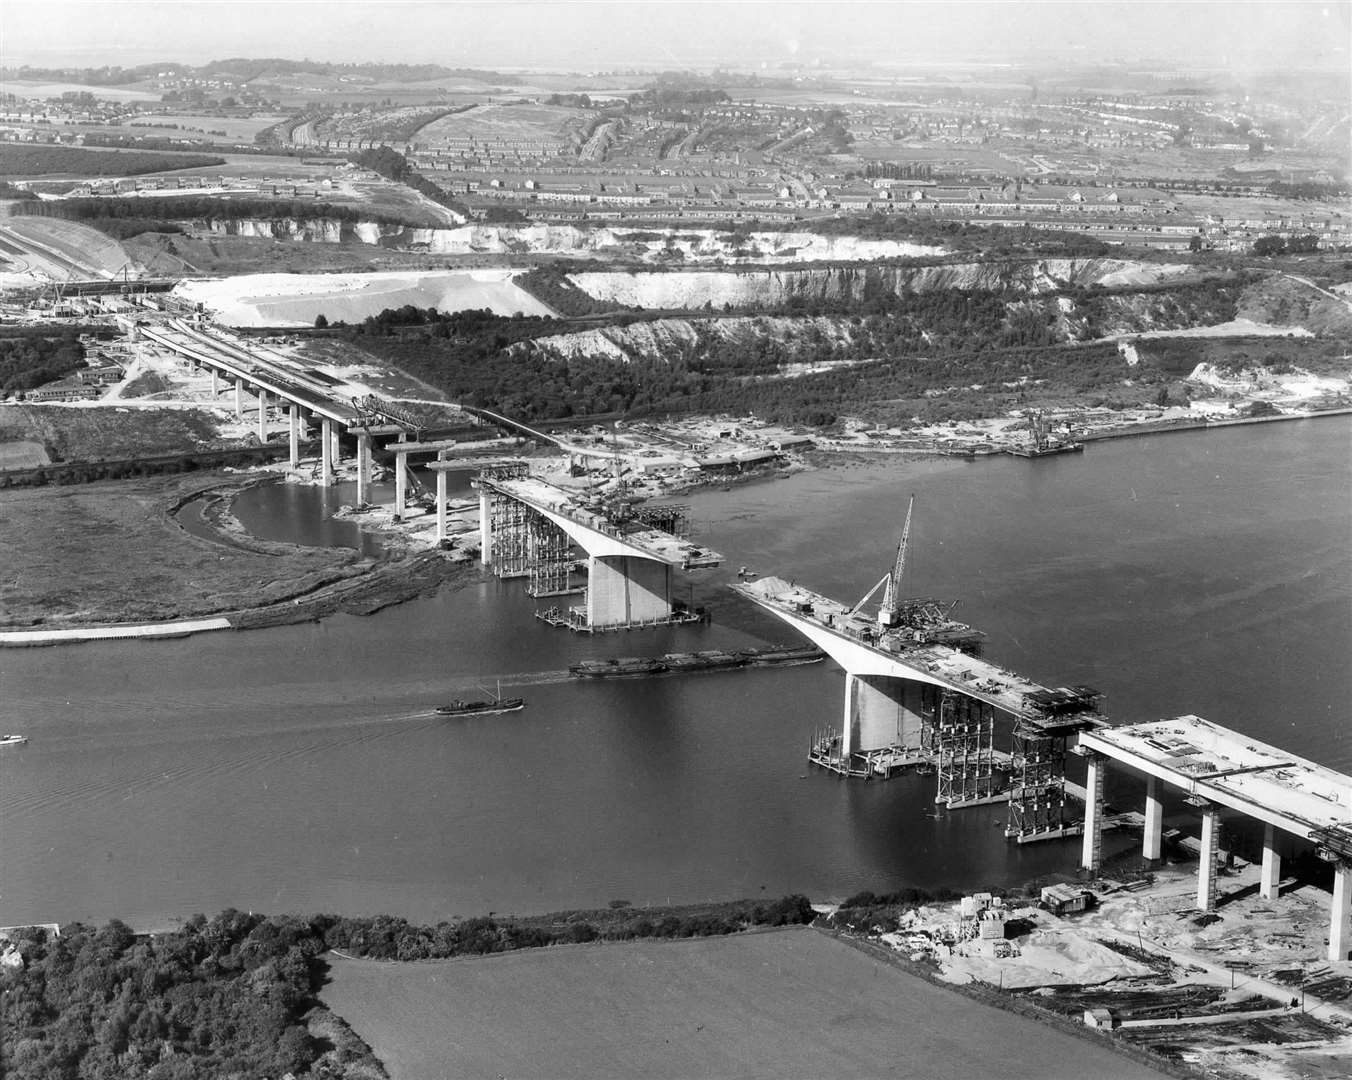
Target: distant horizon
<point>587,36</point>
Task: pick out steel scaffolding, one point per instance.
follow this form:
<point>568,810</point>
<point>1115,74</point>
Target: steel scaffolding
<point>550,557</point>
<point>962,741</point>
<point>1037,792</point>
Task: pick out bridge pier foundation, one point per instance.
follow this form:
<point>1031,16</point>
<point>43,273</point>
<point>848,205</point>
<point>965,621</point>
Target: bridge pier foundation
<point>294,416</point>
<point>326,452</point>
<point>363,469</point>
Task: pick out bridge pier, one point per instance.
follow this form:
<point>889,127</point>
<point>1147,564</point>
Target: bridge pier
<point>215,382</point>
<point>400,484</point>
<point>262,416</point>
<point>1270,876</point>
<point>1091,851</point>
<point>239,401</point>
<point>485,527</point>
<point>623,590</point>
<point>441,505</point>
<point>1206,865</point>
<point>326,452</point>
<point>1152,847</point>
<point>363,469</point>
<point>293,414</point>
<point>335,434</point>
<point>1340,921</point>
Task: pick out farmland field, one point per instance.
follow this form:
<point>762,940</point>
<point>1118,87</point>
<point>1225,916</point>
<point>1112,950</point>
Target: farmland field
<point>494,121</point>
<point>790,1003</point>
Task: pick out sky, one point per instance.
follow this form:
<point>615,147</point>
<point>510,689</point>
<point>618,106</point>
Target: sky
<point>603,35</point>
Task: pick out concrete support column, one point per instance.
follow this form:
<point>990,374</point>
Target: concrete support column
<point>1154,820</point>
<point>1091,852</point>
<point>239,400</point>
<point>847,747</point>
<point>262,416</point>
<point>1270,876</point>
<point>215,382</point>
<point>1206,870</point>
<point>294,415</point>
<point>1340,916</point>
<point>337,445</point>
<point>441,505</point>
<point>400,484</point>
<point>326,452</point>
<point>485,530</point>
<point>363,469</point>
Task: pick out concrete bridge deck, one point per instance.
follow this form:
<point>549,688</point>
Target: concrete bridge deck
<point>827,622</point>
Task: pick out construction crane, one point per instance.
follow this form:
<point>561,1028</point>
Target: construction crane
<point>888,614</point>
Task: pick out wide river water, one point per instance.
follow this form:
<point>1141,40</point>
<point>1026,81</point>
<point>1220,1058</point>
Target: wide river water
<point>301,769</point>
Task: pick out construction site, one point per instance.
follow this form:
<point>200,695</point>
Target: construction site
<point>530,529</point>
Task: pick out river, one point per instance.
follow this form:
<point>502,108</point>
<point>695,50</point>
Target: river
<point>300,768</point>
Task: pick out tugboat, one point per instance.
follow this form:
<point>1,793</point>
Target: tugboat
<point>496,704</point>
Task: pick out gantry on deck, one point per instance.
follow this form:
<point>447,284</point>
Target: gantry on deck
<point>530,528</point>
<point>916,695</point>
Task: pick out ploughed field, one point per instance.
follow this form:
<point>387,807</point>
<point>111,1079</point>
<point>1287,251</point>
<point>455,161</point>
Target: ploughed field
<point>786,1003</point>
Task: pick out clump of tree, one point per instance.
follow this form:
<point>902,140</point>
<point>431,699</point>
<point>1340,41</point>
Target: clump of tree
<point>1286,245</point>
<point>550,285</point>
<point>29,361</point>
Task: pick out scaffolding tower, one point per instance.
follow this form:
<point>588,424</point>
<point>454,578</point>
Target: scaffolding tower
<point>509,524</point>
<point>550,558</point>
<point>962,741</point>
<point>1037,792</point>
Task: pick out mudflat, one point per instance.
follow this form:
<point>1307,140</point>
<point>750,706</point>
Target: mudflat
<point>781,1004</point>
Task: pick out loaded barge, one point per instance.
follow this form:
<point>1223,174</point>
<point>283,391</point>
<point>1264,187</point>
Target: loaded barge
<point>711,660</point>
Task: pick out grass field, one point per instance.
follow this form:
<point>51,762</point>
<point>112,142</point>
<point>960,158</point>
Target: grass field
<point>784,1004</point>
<point>108,552</point>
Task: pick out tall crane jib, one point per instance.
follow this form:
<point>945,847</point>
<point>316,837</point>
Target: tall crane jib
<point>889,614</point>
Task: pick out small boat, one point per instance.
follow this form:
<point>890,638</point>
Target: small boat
<point>13,740</point>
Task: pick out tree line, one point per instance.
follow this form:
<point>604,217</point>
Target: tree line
<point>43,160</point>
<point>30,361</point>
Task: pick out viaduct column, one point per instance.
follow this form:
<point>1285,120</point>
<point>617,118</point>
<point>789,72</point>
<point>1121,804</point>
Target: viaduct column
<point>239,400</point>
<point>441,505</point>
<point>1206,869</point>
<point>294,416</point>
<point>337,450</point>
<point>1091,854</point>
<point>400,483</point>
<point>262,415</point>
<point>1340,921</point>
<point>1270,876</point>
<point>215,382</point>
<point>1154,820</point>
<point>326,452</point>
<point>363,468</point>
